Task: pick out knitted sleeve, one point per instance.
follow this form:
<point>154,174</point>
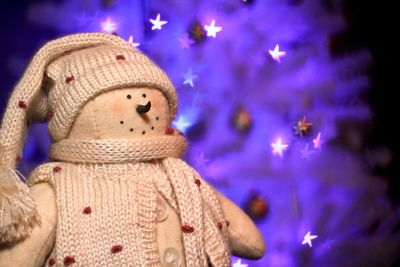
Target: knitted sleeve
<point>41,174</point>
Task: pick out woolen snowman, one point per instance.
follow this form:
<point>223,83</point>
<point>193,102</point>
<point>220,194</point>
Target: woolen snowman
<point>115,192</point>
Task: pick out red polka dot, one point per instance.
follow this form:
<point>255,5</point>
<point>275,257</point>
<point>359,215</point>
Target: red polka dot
<point>57,169</point>
<point>22,104</point>
<point>87,210</point>
<point>120,57</point>
<point>69,79</point>
<point>186,228</point>
<point>52,261</point>
<point>116,249</point>
<point>169,131</point>
<point>69,260</point>
<point>197,182</point>
<point>50,114</point>
<point>227,223</point>
<point>219,226</point>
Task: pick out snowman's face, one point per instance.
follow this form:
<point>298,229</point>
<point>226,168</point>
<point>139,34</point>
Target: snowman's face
<point>123,113</point>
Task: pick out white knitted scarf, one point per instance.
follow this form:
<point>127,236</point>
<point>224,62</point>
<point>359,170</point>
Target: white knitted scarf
<point>204,233</point>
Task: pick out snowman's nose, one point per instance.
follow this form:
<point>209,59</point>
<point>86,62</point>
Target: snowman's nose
<point>143,108</point>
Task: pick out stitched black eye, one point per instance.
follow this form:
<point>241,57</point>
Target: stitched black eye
<point>122,122</point>
<point>129,96</point>
<point>144,95</point>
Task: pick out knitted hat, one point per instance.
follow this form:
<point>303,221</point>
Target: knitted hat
<point>64,75</point>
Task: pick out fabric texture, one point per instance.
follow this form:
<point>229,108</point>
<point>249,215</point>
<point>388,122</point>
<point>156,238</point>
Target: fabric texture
<point>109,151</point>
<point>62,76</point>
<point>104,208</point>
<point>106,190</point>
<point>84,74</point>
<point>33,251</point>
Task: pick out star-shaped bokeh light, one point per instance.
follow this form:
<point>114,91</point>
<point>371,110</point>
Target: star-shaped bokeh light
<point>108,26</point>
<point>158,23</point>
<point>212,30</point>
<point>182,124</point>
<point>317,142</point>
<point>201,160</point>
<point>132,43</point>
<point>189,77</point>
<point>276,54</point>
<point>239,263</point>
<point>306,152</point>
<point>302,127</point>
<point>308,238</point>
<point>278,147</point>
<point>185,41</point>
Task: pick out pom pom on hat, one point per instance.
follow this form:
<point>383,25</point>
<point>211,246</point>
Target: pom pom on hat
<point>61,78</point>
<point>17,209</point>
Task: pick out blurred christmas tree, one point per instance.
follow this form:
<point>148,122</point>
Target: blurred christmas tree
<point>269,112</point>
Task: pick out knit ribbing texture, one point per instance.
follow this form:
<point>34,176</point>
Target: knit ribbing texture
<point>122,197</point>
<point>96,70</point>
<point>91,58</point>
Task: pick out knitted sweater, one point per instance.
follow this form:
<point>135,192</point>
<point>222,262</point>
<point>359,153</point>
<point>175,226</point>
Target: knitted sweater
<point>106,195</point>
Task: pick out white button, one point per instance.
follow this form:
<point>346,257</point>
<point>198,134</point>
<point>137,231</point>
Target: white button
<point>162,209</point>
<point>171,258</point>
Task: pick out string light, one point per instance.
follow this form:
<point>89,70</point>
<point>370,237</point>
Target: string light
<point>108,26</point>
<point>212,30</point>
<point>276,54</point>
<point>132,43</point>
<point>157,23</point>
<point>182,124</point>
<point>308,239</point>
<point>317,142</point>
<point>189,77</point>
<point>278,147</point>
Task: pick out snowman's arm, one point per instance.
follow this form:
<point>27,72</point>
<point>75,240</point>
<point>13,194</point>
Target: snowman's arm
<point>32,251</point>
<point>245,239</point>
